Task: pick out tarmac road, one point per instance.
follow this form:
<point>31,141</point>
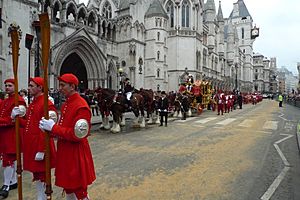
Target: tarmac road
<point>246,154</point>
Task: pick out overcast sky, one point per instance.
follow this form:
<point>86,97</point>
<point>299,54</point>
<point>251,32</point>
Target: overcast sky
<point>279,23</point>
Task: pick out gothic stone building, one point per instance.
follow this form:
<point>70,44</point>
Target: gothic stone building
<point>155,43</point>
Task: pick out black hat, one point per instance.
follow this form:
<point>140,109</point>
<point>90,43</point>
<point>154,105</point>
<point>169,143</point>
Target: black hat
<point>163,92</point>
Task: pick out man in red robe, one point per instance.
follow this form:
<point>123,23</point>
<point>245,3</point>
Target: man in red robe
<point>8,138</point>
<point>73,148</point>
<point>34,138</point>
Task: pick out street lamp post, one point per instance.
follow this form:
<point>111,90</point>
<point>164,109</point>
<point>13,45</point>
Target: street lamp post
<point>120,71</point>
<point>140,65</point>
<point>28,43</point>
<point>37,27</point>
<point>236,76</point>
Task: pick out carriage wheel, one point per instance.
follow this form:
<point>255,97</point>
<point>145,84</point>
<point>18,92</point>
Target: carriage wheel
<point>199,109</point>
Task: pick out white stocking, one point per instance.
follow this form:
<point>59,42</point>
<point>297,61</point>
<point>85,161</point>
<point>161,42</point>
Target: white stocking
<point>14,175</point>
<point>71,196</point>
<point>8,172</point>
<point>40,188</point>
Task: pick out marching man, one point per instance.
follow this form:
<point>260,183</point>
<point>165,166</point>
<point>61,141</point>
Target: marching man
<point>8,137</point>
<point>34,138</point>
<point>220,98</point>
<point>73,148</point>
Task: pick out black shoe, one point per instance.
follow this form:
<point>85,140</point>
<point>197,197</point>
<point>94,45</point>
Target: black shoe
<point>161,125</point>
<point>13,186</point>
<point>4,192</point>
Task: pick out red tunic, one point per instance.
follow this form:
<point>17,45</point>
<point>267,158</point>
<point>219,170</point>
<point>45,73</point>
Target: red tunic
<point>74,166</point>
<point>34,138</point>
<point>7,126</point>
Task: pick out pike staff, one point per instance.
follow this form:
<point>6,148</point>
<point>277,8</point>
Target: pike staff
<point>45,39</point>
<point>15,34</point>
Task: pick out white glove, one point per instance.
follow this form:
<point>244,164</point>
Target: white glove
<point>15,111</point>
<point>165,110</point>
<point>46,125</point>
<point>158,110</point>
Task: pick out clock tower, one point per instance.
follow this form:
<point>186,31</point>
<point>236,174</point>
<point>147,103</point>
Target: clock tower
<point>242,22</point>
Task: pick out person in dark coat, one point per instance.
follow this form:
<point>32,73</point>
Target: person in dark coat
<point>163,105</point>
<point>240,100</point>
<point>184,105</point>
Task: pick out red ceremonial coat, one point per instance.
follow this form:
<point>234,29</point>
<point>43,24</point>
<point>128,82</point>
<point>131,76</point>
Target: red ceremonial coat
<point>182,88</point>
<point>196,90</point>
<point>34,138</point>
<point>7,126</point>
<point>74,166</point>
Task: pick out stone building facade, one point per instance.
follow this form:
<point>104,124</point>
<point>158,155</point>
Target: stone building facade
<point>155,43</point>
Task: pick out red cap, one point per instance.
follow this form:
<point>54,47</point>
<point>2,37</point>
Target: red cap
<point>10,80</point>
<point>38,80</point>
<point>69,78</point>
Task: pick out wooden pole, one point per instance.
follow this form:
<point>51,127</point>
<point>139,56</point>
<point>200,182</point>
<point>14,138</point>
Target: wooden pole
<point>15,58</point>
<point>45,40</point>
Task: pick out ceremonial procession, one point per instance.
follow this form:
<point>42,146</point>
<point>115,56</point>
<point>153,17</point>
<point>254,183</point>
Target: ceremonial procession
<point>143,100</point>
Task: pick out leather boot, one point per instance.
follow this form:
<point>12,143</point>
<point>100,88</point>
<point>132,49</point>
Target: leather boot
<point>4,192</point>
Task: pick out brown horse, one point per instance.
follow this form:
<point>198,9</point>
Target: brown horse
<point>149,103</point>
<point>119,108</point>
<point>110,101</point>
<point>105,98</point>
<point>178,105</point>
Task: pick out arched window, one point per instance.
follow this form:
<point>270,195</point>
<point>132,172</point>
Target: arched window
<point>158,36</point>
<point>158,73</point>
<point>91,20</point>
<point>185,14</point>
<point>170,11</point>
<point>158,54</point>
<point>71,12</point>
<point>82,16</point>
<point>106,10</point>
<point>56,12</point>
<point>243,33</point>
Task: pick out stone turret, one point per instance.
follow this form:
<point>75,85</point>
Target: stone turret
<point>210,13</point>
<point>221,23</point>
<point>155,53</point>
<point>230,44</point>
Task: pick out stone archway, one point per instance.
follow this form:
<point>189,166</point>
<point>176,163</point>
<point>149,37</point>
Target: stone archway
<point>75,65</point>
<point>88,55</point>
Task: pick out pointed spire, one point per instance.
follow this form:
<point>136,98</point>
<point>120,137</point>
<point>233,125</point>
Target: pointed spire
<point>240,10</point>
<point>220,13</point>
<point>156,9</point>
<point>210,5</point>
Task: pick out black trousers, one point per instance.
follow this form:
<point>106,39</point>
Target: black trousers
<point>280,103</point>
<point>162,115</point>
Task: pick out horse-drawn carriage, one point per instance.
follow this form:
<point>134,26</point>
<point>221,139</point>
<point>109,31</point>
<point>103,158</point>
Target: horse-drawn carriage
<point>201,92</point>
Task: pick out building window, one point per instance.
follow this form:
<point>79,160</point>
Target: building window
<point>165,58</point>
<point>158,54</point>
<point>185,14</point>
<point>158,73</point>
<point>170,11</point>
<point>158,36</point>
<point>106,10</point>
<point>243,33</point>
<point>204,57</point>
